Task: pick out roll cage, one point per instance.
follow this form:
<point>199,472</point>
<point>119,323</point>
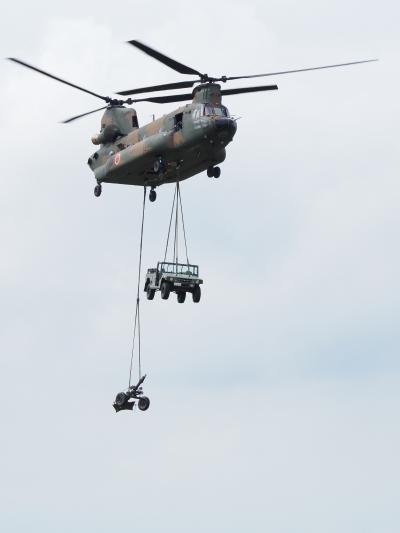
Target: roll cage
<point>182,269</point>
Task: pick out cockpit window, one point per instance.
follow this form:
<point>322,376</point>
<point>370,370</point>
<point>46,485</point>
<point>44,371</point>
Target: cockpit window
<point>219,111</point>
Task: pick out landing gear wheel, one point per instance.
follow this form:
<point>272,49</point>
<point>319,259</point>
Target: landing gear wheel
<point>143,403</point>
<point>196,294</point>
<point>150,293</point>
<point>181,297</point>
<point>210,172</point>
<point>165,290</point>
<point>152,195</point>
<point>217,172</point>
<point>97,190</point>
<point>159,165</point>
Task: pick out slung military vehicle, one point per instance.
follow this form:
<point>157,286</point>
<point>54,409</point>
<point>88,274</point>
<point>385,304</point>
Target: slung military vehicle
<point>179,145</point>
<point>173,277</point>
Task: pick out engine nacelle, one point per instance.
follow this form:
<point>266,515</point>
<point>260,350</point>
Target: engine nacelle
<point>108,135</point>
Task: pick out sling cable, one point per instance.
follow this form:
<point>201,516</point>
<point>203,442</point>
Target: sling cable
<point>126,400</point>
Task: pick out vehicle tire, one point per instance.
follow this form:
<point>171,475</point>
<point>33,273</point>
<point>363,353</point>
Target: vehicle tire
<point>196,294</point>
<point>210,172</point>
<point>152,195</point>
<point>150,293</point>
<point>181,297</point>
<point>143,403</point>
<point>165,290</point>
<point>217,172</point>
<point>97,190</point>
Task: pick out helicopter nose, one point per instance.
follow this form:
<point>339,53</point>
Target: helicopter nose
<point>226,128</point>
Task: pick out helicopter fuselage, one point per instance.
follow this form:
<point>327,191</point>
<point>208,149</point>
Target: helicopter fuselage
<point>187,141</point>
<point>178,145</point>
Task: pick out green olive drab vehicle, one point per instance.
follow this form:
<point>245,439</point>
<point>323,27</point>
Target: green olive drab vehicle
<point>173,277</point>
<point>177,146</point>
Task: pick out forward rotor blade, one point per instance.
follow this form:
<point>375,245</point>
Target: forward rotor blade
<point>166,86</point>
<point>301,70</point>
<point>166,99</point>
<point>83,115</point>
<point>175,65</point>
<point>56,78</point>
<point>189,96</point>
<point>242,90</point>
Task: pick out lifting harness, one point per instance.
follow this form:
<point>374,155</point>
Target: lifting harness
<point>176,208</point>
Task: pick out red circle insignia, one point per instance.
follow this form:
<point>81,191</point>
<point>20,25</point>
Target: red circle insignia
<point>117,159</point>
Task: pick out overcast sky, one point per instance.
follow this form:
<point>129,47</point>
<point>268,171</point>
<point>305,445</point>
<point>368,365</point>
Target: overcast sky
<point>275,401</point>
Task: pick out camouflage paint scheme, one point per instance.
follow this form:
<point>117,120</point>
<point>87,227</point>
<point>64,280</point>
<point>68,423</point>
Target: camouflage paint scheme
<point>175,147</point>
<point>189,140</point>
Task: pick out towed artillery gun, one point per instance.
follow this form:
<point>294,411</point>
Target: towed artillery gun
<point>173,277</point>
<point>123,400</point>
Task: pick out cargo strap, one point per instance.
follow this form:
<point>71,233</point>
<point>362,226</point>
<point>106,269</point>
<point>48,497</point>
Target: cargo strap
<point>176,208</point>
<point>136,326</point>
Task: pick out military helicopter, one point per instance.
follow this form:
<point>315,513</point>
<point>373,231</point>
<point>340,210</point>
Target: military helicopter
<point>177,146</point>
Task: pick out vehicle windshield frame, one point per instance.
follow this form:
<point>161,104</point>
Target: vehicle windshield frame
<point>186,269</point>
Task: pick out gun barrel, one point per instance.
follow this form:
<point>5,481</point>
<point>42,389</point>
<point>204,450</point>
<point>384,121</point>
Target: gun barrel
<point>141,381</point>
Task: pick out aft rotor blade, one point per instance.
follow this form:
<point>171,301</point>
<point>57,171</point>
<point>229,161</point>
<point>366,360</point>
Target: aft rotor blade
<point>56,78</point>
<point>165,86</point>
<point>301,70</point>
<point>166,99</point>
<point>189,96</point>
<point>175,65</point>
<point>83,115</point>
<point>242,90</point>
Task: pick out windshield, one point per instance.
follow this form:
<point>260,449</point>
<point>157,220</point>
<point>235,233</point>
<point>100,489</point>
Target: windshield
<point>173,268</point>
<point>220,111</point>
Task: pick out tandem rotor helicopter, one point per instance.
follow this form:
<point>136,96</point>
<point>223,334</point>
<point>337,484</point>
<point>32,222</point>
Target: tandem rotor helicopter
<point>177,146</point>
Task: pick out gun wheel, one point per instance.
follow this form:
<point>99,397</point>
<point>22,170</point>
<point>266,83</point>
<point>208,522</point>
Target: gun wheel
<point>143,403</point>
<point>121,399</point>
